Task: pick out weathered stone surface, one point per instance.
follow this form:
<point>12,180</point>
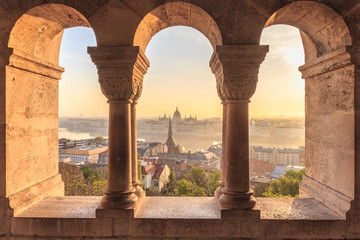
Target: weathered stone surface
<point>330,92</point>
<point>183,218</point>
<point>334,200</point>
<point>336,162</point>
<point>29,100</point>
<point>179,208</point>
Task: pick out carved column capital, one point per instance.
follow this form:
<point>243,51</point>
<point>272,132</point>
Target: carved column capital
<point>121,70</point>
<point>236,69</point>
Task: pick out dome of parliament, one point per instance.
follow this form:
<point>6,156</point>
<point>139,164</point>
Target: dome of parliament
<point>177,115</point>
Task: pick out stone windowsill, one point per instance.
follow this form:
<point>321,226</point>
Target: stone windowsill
<point>181,208</point>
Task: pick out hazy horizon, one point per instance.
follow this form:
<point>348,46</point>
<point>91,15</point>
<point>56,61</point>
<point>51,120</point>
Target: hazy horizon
<point>199,118</point>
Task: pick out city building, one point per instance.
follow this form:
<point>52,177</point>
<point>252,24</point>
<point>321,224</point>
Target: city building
<point>32,201</point>
<point>149,149</point>
<point>278,156</point>
<point>154,175</point>
<point>103,158</point>
<point>261,168</point>
<point>89,154</point>
<point>190,124</point>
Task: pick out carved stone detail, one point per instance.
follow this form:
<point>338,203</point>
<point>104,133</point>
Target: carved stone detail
<point>121,70</point>
<point>236,69</point>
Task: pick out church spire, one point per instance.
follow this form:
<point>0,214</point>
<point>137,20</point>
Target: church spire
<point>170,133</point>
<point>170,142</point>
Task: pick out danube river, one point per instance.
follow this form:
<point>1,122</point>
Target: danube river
<point>190,142</point>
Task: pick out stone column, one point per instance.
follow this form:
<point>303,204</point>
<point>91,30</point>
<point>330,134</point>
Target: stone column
<point>121,70</point>
<point>236,69</point>
<point>135,182</point>
<point>218,191</point>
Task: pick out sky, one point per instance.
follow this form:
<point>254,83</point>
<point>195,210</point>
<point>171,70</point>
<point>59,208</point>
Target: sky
<point>179,75</point>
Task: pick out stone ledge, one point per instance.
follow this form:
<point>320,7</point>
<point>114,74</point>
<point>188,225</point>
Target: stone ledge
<point>325,195</point>
<point>177,217</point>
<point>53,186</point>
<point>181,208</point>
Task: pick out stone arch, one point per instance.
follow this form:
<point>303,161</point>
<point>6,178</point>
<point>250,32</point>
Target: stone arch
<point>322,29</point>
<point>32,103</point>
<point>38,32</point>
<point>176,14</point>
<point>329,102</point>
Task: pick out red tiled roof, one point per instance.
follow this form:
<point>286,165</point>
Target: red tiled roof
<point>159,170</point>
<point>261,166</point>
<point>170,162</point>
<point>147,170</point>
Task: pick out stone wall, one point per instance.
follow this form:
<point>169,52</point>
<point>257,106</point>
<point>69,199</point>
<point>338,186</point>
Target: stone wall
<point>29,91</point>
<point>31,130</point>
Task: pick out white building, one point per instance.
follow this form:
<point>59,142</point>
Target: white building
<point>154,175</point>
<point>285,156</point>
<point>82,154</point>
<point>288,156</point>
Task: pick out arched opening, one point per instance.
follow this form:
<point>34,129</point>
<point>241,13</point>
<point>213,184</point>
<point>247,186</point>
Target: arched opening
<point>32,102</point>
<point>171,15</point>
<point>329,113</point>
<point>176,14</point>
<point>277,125</point>
<point>323,30</point>
<point>180,87</point>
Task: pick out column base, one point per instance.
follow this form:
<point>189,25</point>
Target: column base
<point>119,200</point>
<point>237,200</point>
<point>218,191</point>
<point>139,192</point>
<point>129,212</point>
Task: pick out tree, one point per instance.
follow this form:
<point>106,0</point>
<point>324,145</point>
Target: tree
<point>87,172</point>
<point>139,169</point>
<point>99,139</point>
<point>212,184</point>
<point>197,176</point>
<point>139,173</point>
<point>260,189</point>
<point>77,185</point>
<point>189,189</point>
<point>285,186</point>
<point>169,189</point>
<point>152,191</point>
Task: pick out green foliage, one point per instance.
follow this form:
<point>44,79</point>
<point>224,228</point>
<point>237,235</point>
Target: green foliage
<point>138,156</point>
<point>197,176</point>
<point>99,139</point>
<point>187,188</point>
<point>212,183</point>
<point>139,173</point>
<point>260,189</point>
<point>169,189</point>
<point>77,185</point>
<point>88,172</point>
<point>152,191</point>
<point>285,186</point>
